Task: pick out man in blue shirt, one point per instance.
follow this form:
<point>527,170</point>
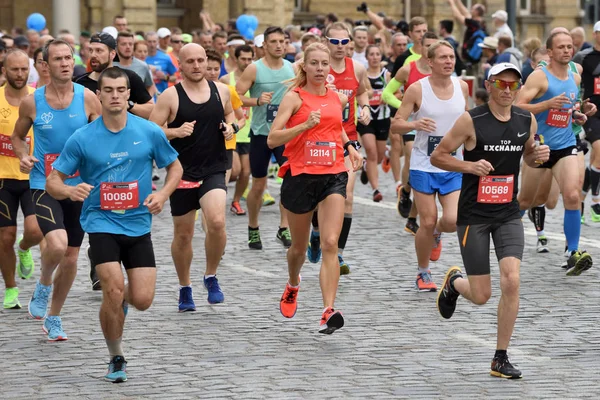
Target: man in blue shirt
<point>161,65</point>
<point>114,156</point>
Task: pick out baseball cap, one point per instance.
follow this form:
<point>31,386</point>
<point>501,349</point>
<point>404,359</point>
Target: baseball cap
<point>105,39</point>
<point>21,41</point>
<point>501,67</point>
<point>187,38</point>
<point>112,31</point>
<point>163,33</point>
<point>489,42</point>
<point>597,26</point>
<point>314,30</point>
<point>501,15</point>
<point>259,40</point>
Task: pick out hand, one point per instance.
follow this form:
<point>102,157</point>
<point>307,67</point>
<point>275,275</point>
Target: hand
<point>558,102</point>
<point>185,130</point>
<point>80,192</point>
<point>159,75</point>
<point>313,119</point>
<point>588,108</point>
<point>542,153</point>
<point>155,203</point>
<point>365,115</point>
<point>26,164</point>
<point>579,118</point>
<point>265,98</point>
<point>227,130</point>
<point>425,125</point>
<point>355,158</point>
<point>481,168</point>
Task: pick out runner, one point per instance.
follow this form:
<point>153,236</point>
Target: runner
<point>437,102</point>
<point>199,116</point>
<point>114,156</point>
<point>495,136</point>
<point>264,79</point>
<point>550,94</point>
<point>374,136</point>
<point>14,185</point>
<point>309,123</point>
<point>55,111</point>
<point>348,77</point>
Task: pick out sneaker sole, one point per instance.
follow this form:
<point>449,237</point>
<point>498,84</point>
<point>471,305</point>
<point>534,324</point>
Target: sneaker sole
<point>255,247</point>
<point>426,290</point>
<point>409,231</point>
<point>281,242</point>
<point>285,316</point>
<point>234,212</point>
<point>437,302</point>
<point>118,380</point>
<point>335,322</point>
<point>34,317</point>
<point>187,310</point>
<point>501,375</point>
<point>58,339</point>
<point>22,275</point>
<point>543,250</point>
<point>581,266</point>
<point>14,307</point>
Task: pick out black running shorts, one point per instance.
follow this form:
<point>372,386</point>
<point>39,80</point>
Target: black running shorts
<point>260,155</point>
<point>556,155</point>
<point>302,193</point>
<point>55,214</point>
<point>378,127</point>
<point>13,193</point>
<point>133,252</point>
<point>185,200</point>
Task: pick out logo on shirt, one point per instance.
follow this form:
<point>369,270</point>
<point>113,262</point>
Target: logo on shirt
<point>119,155</point>
<point>72,115</point>
<point>521,134</point>
<point>135,143</point>
<point>324,105</point>
<point>47,117</point>
<point>5,112</point>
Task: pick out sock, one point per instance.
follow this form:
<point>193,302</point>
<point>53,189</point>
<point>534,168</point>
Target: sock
<point>398,183</point>
<point>595,181</point>
<point>455,277</point>
<point>423,270</point>
<point>586,181</point>
<point>522,212</point>
<point>500,353</point>
<point>315,219</point>
<point>181,287</point>
<point>209,276</point>
<point>375,191</point>
<point>252,229</point>
<point>539,217</point>
<point>405,192</point>
<point>410,219</point>
<point>345,231</point>
<point>281,230</point>
<point>293,287</point>
<point>114,347</point>
<point>572,226</point>
<point>541,234</point>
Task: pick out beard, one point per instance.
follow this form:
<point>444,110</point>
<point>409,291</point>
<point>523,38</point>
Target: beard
<point>194,78</point>
<point>14,84</point>
<point>100,67</point>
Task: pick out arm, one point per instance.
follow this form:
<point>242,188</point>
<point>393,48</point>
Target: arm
<point>239,116</point>
<point>143,110</point>
<point>362,93</point>
<point>67,163</point>
<point>375,19</point>
<point>465,90</point>
<point>535,155</point>
<point>457,11</point>
<point>393,86</point>
<point>536,85</point>
<point>92,105</point>
<point>161,113</point>
<point>279,135</point>
<point>55,185</point>
<point>463,131</point>
<point>400,123</point>
<point>225,79</point>
<point>139,95</point>
<point>22,126</point>
<point>244,83</point>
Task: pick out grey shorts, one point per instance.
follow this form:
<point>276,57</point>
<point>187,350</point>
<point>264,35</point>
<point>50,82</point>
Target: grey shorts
<point>474,241</point>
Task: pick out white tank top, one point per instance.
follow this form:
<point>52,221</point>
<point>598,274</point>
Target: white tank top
<point>444,113</point>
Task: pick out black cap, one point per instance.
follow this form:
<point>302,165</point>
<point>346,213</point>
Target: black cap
<point>21,41</point>
<point>105,39</point>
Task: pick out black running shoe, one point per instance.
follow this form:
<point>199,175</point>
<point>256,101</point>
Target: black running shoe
<point>364,179</point>
<point>284,237</point>
<point>404,204</point>
<point>411,226</point>
<point>93,276</point>
<point>502,368</point>
<point>447,297</point>
<point>254,241</point>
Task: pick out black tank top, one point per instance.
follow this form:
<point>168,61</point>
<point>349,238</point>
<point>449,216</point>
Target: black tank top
<point>501,144</point>
<point>203,152</point>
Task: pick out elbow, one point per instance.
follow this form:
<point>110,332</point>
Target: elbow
<point>435,159</point>
<point>271,142</point>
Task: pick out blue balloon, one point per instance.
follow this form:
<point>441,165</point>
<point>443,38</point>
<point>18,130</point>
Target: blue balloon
<point>36,21</point>
<point>248,34</point>
<point>253,21</point>
<point>242,23</point>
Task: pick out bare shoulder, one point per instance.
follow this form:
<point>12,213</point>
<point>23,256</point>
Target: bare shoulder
<point>223,89</point>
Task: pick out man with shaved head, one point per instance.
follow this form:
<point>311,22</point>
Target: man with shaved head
<point>198,118</point>
<point>578,35</point>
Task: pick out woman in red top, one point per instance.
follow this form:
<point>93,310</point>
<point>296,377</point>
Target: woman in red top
<point>309,123</point>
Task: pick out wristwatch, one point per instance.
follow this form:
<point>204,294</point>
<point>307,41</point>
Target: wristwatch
<point>352,143</point>
<point>130,105</point>
<point>235,127</point>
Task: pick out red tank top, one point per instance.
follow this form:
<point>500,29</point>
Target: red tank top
<point>346,83</point>
<point>318,150</point>
<point>413,75</point>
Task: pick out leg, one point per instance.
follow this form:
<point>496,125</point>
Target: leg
<point>181,246</point>
<point>530,179</point>
<point>242,182</point>
<point>141,286</point>
<point>8,259</point>
<point>427,209</point>
<point>63,280</point>
<point>112,317</point>
<point>395,154</point>
<point>330,223</point>
<point>348,203</point>
<point>370,146</point>
<point>32,235</point>
<point>236,167</point>
<point>508,307</point>
<point>567,175</point>
<point>254,200</point>
<point>296,254</point>
<point>213,208</point>
<point>56,248</point>
<point>406,168</point>
<point>449,204</point>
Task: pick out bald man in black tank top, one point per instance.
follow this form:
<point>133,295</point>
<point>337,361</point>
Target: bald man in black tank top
<point>199,117</point>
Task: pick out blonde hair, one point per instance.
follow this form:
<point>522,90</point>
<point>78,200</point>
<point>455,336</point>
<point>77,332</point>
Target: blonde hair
<point>300,79</point>
<point>530,44</point>
<point>337,26</point>
<point>437,45</point>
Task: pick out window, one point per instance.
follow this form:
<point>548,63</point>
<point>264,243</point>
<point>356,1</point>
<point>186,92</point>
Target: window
<point>298,5</point>
<point>165,3</point>
<point>587,11</point>
<point>524,7</point>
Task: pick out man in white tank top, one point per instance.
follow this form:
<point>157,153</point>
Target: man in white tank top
<point>435,103</point>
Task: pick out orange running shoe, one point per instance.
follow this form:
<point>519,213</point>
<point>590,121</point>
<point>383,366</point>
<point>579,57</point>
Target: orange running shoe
<point>236,208</point>
<point>288,303</point>
<point>424,283</point>
<point>386,164</point>
<point>437,247</point>
<point>331,321</point>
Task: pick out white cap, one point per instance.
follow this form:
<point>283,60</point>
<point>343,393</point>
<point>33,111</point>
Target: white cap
<point>259,40</point>
<point>597,26</point>
<point>163,33</point>
<point>499,68</point>
<point>489,42</point>
<point>501,15</point>
<point>112,31</point>
<point>236,42</point>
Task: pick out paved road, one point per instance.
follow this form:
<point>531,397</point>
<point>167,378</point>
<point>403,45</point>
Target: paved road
<point>394,344</point>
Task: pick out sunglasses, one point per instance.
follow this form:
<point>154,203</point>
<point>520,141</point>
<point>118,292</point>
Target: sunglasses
<point>335,42</point>
<point>502,85</point>
<point>176,41</point>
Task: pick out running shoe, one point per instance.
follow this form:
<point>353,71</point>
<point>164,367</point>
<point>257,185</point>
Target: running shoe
<point>566,256</point>
<point>502,368</point>
<point>117,369</point>
<point>125,308</point>
<point>25,266</point>
<point>344,267</point>
<point>424,283</point>
<point>155,176</point>
<point>447,297</point>
<point>254,239</point>
<point>404,203</point>
<point>582,219</point>
<point>542,245</point>
<point>578,262</point>
<point>53,327</point>
<point>215,295</point>
<point>313,252</point>
<point>93,275</point>
<point>386,163</point>
<point>377,196</point>
<point>289,301</point>
<point>364,178</point>
<point>411,226</point>
<point>284,237</point>
<point>436,250</point>
<point>186,300</point>
<point>268,200</point>
<point>11,299</point>
<point>236,209</point>
<point>38,305</point>
<point>245,194</point>
<point>595,211</point>
<point>331,321</point>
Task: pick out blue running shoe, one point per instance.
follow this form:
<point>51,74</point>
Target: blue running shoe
<point>38,305</point>
<point>125,307</point>
<point>186,301</point>
<point>215,295</point>
<point>53,327</point>
<point>313,252</point>
<point>117,370</point>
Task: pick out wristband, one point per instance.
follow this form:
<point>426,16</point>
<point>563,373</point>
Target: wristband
<point>258,101</point>
<point>352,143</point>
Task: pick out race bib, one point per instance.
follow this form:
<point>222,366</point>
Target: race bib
<point>597,85</point>
<point>497,189</point>
<point>432,144</point>
<point>271,112</point>
<point>558,118</point>
<point>319,153</point>
<point>188,185</point>
<point>375,101</point>
<point>6,148</point>
<point>49,160</point>
<point>119,196</point>
<point>346,113</point>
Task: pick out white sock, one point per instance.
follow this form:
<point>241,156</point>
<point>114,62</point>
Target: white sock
<point>181,287</point>
<point>541,233</point>
<point>423,270</point>
<point>208,276</point>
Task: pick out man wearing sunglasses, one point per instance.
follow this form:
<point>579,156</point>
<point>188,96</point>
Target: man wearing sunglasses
<point>495,136</point>
<point>551,93</point>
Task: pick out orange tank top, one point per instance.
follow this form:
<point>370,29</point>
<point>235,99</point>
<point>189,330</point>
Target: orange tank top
<point>318,150</point>
<point>346,83</point>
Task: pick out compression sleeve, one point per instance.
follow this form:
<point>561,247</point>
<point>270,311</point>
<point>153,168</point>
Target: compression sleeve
<point>388,93</point>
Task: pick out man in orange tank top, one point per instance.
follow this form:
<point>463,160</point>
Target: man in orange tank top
<point>350,78</point>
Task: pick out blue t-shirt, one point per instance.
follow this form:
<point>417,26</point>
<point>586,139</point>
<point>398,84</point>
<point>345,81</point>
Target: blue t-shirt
<point>163,63</point>
<point>104,157</point>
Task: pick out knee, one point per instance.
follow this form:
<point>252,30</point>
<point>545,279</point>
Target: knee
<point>8,237</point>
<point>551,203</point>
<point>113,294</point>
<point>329,243</point>
<point>215,224</point>
<point>481,297</point>
<point>297,251</point>
<point>371,153</point>
<point>427,222</point>
<point>57,244</point>
<point>510,283</point>
<point>258,185</point>
<point>349,201</point>
<point>525,203</point>
<point>449,223</point>
<point>142,302</point>
<point>183,236</point>
<point>571,198</point>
